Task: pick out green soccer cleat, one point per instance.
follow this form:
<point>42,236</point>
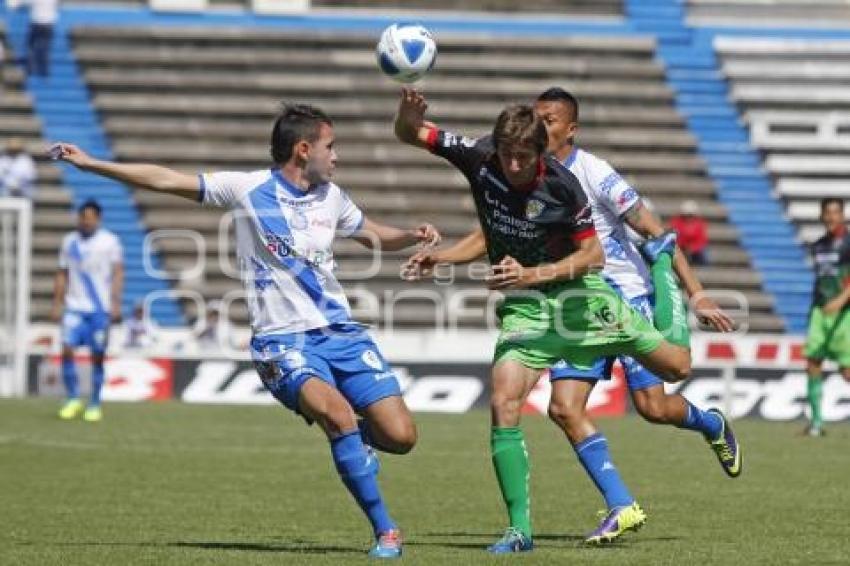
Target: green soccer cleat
<point>616,522</point>
<point>93,415</point>
<point>70,409</point>
<point>727,448</point>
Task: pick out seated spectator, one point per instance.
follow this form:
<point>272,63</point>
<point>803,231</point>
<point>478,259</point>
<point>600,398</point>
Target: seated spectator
<point>208,335</point>
<point>138,334</point>
<point>692,231</point>
<point>17,171</point>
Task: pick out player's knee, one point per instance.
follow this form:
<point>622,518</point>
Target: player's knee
<point>505,408</point>
<point>565,415</point>
<point>405,438</point>
<point>335,416</point>
<point>680,371</point>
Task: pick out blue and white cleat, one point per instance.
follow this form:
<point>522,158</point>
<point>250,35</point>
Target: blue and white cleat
<point>727,448</point>
<point>512,541</point>
<point>654,247</point>
<point>617,521</point>
<point>388,545</point>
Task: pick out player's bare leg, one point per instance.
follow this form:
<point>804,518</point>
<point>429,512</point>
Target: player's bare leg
<point>511,382</point>
<point>659,407</point>
<point>568,409</point>
<point>669,362</point>
<point>325,405</point>
<point>388,426</point>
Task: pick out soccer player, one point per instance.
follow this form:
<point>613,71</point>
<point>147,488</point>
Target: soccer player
<point>829,323</point>
<point>88,287</point>
<point>308,351</point>
<point>543,249</point>
<point>616,205</point>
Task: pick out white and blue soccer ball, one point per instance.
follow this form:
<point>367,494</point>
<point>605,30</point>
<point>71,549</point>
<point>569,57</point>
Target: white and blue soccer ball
<point>406,52</point>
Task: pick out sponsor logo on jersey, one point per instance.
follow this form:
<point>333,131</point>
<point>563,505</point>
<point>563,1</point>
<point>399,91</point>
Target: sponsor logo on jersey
<point>262,274</point>
<point>299,220</point>
<point>485,173</point>
<point>628,196</point>
<point>609,182</point>
<point>534,208</point>
<point>294,359</point>
<point>371,359</point>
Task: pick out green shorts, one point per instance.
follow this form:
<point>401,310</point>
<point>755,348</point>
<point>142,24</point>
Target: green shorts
<point>829,337</point>
<point>578,323</point>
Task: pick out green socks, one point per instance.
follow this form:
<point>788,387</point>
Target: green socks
<point>510,460</point>
<point>671,316</point>
<point>815,394</point>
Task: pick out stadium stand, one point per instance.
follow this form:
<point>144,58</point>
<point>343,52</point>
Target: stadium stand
<point>794,97</point>
<point>801,13</point>
<point>62,106</point>
<point>201,99</point>
<point>702,97</point>
<point>571,7</point>
<point>51,207</point>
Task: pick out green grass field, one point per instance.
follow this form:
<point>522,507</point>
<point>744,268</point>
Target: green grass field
<point>179,484</point>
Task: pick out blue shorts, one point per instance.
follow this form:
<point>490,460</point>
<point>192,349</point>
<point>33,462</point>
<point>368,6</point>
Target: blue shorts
<point>637,376</point>
<point>86,329</point>
<point>344,356</point>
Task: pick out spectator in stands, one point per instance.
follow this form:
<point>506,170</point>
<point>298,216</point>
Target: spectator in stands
<point>693,232</point>
<point>138,335</point>
<point>17,171</point>
<point>208,335</point>
<point>43,16</point>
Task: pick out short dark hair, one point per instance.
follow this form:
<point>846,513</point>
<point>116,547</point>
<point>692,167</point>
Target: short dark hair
<point>825,202</point>
<point>557,94</point>
<point>296,122</point>
<point>90,204</point>
<point>519,125</point>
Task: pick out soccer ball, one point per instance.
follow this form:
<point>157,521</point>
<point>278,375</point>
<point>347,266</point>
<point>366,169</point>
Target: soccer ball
<point>406,52</point>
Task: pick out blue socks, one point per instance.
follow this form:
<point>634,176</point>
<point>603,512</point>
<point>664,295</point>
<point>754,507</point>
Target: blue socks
<point>702,421</point>
<point>69,377</point>
<point>593,454</point>
<point>72,384</point>
<point>96,384</point>
<point>359,473</point>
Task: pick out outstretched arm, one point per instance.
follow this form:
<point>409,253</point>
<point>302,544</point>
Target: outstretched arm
<point>410,125</point>
<point>145,176</point>
<point>467,249</point>
<point>645,223</point>
<point>374,235</point>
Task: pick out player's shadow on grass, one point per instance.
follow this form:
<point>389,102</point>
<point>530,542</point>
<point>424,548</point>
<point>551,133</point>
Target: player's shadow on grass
<point>495,535</point>
<point>296,547</point>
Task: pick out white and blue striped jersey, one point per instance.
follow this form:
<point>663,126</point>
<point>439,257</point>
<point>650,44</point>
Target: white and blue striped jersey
<point>284,239</point>
<point>611,197</point>
<point>90,263</point>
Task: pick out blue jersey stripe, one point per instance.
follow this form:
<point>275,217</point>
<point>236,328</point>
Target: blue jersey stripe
<point>88,283</point>
<point>287,186</point>
<point>270,219</point>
